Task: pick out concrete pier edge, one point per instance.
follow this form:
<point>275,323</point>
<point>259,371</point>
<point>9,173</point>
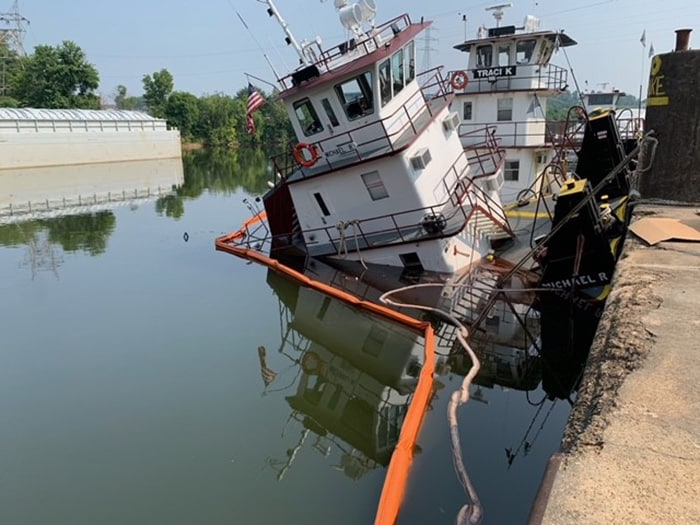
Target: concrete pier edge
<point>631,449</point>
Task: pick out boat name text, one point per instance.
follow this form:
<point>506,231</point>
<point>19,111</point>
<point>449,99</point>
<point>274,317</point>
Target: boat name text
<point>502,71</point>
<point>581,280</point>
<point>341,149</point>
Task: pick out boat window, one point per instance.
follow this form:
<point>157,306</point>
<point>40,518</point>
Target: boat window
<point>329,112</point>
<point>307,117</point>
<point>375,341</point>
<point>356,96</point>
<point>397,71</point>
<point>322,204</point>
<point>467,111</point>
<point>385,81</point>
<point>375,185</point>
<point>600,99</point>
<point>511,170</point>
<point>524,50</point>
<point>503,55</point>
<point>483,56</point>
<point>410,59</point>
<point>505,109</point>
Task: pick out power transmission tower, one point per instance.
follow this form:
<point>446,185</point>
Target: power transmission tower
<point>427,48</point>
<point>12,36</point>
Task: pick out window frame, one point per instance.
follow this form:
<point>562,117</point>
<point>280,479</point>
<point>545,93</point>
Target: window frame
<point>504,114</point>
<point>375,185</point>
<point>365,84</point>
<point>470,115</point>
<point>484,60</point>
<point>314,125</point>
<point>510,167</point>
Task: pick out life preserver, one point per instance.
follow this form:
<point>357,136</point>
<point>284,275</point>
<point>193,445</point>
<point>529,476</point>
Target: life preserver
<point>311,363</point>
<point>301,158</point>
<point>459,80</point>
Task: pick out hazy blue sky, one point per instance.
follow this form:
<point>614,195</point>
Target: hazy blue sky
<point>207,49</point>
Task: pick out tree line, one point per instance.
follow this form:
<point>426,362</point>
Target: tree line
<point>61,77</point>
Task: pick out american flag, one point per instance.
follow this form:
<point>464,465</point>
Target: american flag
<point>255,102</point>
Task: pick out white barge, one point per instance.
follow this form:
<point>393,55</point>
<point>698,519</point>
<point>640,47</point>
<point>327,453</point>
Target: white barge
<point>37,138</point>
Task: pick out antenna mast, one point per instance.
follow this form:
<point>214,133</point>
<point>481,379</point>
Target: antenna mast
<point>12,37</point>
<point>289,37</point>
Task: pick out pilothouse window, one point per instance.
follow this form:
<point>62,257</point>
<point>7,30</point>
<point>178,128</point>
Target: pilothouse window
<point>307,117</point>
<point>397,71</point>
<point>410,60</point>
<point>524,50</point>
<point>483,56</point>
<point>503,55</point>
<point>356,96</point>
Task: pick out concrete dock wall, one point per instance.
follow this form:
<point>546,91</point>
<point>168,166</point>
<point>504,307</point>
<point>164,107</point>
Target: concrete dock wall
<point>631,452</point>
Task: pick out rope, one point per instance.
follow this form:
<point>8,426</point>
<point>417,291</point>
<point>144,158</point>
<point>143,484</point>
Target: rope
<point>341,227</point>
<point>472,511</point>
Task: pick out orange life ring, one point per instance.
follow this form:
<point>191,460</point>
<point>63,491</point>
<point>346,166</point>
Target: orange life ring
<point>311,363</point>
<point>300,151</point>
<point>459,80</point>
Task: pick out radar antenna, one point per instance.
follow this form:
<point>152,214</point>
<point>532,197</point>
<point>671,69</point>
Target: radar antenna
<point>498,12</point>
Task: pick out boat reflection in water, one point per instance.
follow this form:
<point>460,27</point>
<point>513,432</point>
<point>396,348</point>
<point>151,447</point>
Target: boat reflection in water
<point>357,373</point>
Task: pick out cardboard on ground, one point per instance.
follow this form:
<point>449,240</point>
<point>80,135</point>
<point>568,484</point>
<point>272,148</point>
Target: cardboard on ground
<point>657,229</point>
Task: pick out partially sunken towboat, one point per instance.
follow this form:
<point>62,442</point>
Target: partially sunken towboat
<point>379,174</point>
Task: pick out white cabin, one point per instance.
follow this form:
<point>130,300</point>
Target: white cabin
<point>379,173</point>
<point>510,78</point>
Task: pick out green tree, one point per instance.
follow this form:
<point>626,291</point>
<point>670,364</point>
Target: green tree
<point>123,101</point>
<point>182,112</point>
<point>56,77</point>
<point>218,119</point>
<point>157,88</point>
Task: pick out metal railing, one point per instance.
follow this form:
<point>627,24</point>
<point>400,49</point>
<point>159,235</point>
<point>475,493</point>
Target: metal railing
<point>59,126</point>
<point>512,134</point>
<point>327,58</point>
<point>527,77</point>
<point>465,199</point>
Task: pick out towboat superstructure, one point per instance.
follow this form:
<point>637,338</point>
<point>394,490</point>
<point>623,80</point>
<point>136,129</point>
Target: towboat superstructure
<point>506,85</point>
<point>379,173</point>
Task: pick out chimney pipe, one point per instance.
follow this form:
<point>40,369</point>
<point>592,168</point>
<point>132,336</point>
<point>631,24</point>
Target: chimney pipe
<point>683,39</point>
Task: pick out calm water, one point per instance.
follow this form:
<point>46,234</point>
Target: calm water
<point>132,388</point>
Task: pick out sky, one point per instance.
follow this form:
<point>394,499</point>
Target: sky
<point>208,50</point>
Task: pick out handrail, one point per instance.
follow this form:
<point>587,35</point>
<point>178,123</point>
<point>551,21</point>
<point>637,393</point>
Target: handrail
<point>420,104</point>
<point>371,43</point>
<point>478,200</point>
<point>512,133</point>
<point>548,76</point>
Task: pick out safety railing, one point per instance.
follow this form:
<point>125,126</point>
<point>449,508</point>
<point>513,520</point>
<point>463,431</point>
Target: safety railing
<point>512,133</point>
<point>328,58</point>
<point>60,126</point>
<point>465,199</point>
<point>526,77</point>
<point>416,113</point>
<point>484,151</point>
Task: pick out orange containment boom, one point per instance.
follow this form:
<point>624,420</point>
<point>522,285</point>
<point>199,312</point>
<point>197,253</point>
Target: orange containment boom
<point>402,458</point>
